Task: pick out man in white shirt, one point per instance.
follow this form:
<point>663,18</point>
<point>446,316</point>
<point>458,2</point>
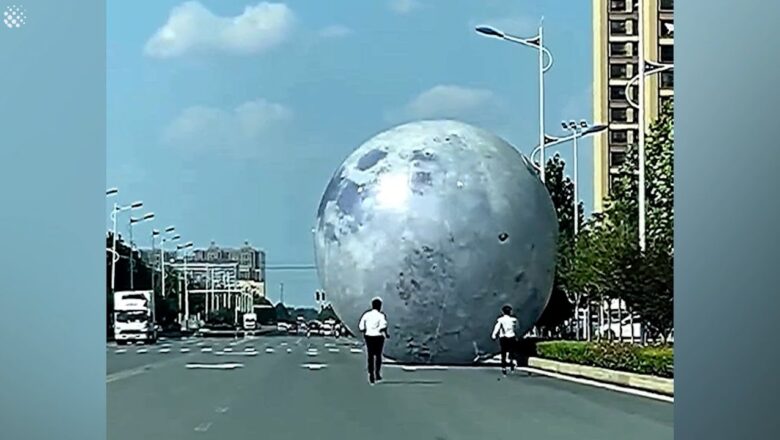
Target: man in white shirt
<point>505,332</point>
<point>373,324</point>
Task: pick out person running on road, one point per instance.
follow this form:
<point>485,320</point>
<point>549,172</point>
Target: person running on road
<point>505,332</point>
<point>373,324</point>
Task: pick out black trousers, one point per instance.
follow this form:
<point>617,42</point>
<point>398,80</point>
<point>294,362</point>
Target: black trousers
<point>507,348</point>
<point>374,346</point>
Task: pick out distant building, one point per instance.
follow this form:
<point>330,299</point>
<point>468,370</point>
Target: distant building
<point>249,261</point>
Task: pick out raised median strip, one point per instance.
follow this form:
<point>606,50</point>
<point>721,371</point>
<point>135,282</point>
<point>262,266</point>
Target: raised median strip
<point>654,384</point>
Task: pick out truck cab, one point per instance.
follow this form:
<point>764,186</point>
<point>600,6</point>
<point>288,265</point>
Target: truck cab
<point>134,317</point>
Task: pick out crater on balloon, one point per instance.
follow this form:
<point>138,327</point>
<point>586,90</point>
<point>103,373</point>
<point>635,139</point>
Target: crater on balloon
<point>446,223</point>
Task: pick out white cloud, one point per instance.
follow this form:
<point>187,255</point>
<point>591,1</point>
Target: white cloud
<point>579,106</point>
<point>404,6</point>
<point>243,131</point>
<point>191,28</point>
<point>448,101</point>
<point>336,31</point>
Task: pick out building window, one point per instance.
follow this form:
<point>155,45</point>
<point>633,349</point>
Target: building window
<point>617,5</point>
<point>618,115</point>
<point>618,71</point>
<point>618,137</point>
<point>617,158</point>
<point>666,29</point>
<point>667,80</point>
<point>617,93</point>
<point>667,5</point>
<point>618,27</point>
<point>667,54</point>
<point>618,50</point>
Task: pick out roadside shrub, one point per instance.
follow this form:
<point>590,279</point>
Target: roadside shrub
<point>652,360</point>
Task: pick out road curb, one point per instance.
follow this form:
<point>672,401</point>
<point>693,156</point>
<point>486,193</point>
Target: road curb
<point>643,382</point>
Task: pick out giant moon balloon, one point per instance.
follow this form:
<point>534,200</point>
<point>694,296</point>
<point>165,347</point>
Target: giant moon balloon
<point>446,223</point>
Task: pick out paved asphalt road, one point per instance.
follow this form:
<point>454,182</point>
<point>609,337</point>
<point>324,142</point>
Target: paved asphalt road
<point>274,396</point>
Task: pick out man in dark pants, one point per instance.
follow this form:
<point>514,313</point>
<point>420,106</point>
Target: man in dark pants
<point>507,338</point>
<point>373,324</point>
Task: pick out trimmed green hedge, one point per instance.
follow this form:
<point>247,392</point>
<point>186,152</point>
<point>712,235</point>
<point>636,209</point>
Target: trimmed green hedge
<point>652,360</point>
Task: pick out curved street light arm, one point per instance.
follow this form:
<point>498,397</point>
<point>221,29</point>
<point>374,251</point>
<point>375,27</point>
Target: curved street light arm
<point>660,68</point>
<point>526,42</point>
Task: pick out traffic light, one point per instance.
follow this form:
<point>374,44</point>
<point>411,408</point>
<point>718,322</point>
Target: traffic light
<point>317,294</point>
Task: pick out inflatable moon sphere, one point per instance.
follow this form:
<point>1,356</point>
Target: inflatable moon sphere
<point>446,223</point>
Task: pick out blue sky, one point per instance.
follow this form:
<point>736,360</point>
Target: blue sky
<point>228,117</point>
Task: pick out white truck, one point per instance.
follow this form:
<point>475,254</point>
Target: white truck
<point>134,319</point>
<point>250,321</point>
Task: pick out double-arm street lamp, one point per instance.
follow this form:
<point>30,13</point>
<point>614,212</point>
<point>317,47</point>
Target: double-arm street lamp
<point>645,68</point>
<point>115,211</point>
<point>537,43</point>
<point>577,130</point>
<point>147,217</point>
<point>185,247</point>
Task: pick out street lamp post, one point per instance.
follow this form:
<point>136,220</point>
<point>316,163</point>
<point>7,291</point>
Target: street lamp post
<point>646,68</point>
<point>537,43</point>
<point>577,131</point>
<point>184,248</point>
<point>114,212</point>
<point>163,240</point>
<point>146,217</point>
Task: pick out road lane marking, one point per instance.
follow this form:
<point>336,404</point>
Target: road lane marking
<point>222,409</point>
<point>269,350</point>
<point>185,350</point>
<point>140,370</point>
<point>314,366</point>
<point>227,349</point>
<point>227,366</point>
<point>411,368</point>
<point>203,427</point>
<point>165,350</point>
<point>289,350</point>
<point>142,350</point>
<point>239,353</point>
<point>206,350</point>
<point>333,350</point>
<point>121,350</point>
<point>355,350</point>
<point>607,386</point>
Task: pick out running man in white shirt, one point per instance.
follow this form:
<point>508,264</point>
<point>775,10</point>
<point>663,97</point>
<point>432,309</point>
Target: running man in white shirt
<point>373,324</point>
<point>505,332</point>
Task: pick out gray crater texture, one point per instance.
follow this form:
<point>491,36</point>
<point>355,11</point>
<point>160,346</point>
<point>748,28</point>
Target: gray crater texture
<point>446,223</point>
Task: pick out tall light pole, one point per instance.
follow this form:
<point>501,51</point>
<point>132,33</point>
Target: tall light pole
<point>537,43</point>
<point>184,248</point>
<point>147,217</point>
<point>163,240</point>
<point>155,234</point>
<point>578,130</point>
<point>114,213</point>
<point>646,68</point>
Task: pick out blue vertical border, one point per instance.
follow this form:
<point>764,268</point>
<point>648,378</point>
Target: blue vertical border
<point>727,208</point>
<point>52,197</point>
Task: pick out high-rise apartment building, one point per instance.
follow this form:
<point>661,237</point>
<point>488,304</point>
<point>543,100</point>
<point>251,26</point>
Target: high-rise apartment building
<point>615,49</point>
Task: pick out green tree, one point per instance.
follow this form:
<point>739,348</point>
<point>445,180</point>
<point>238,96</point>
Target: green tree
<point>561,188</point>
<point>327,312</point>
<point>282,313</point>
<point>608,258</point>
